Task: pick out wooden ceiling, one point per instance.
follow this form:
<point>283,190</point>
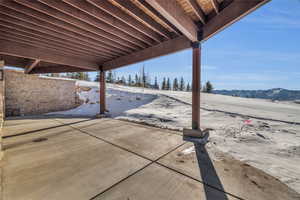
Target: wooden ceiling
<point>48,36</point>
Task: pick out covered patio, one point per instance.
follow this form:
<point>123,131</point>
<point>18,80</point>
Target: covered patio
<point>48,36</point>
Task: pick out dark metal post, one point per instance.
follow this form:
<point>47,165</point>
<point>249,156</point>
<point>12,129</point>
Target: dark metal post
<point>196,87</point>
<point>102,92</point>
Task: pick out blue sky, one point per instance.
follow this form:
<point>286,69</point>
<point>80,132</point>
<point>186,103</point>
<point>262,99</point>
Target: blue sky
<point>261,51</point>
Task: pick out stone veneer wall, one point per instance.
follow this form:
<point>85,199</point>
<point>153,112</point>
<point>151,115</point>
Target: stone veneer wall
<point>30,94</point>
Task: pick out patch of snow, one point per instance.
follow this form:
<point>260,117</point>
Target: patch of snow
<point>188,150</point>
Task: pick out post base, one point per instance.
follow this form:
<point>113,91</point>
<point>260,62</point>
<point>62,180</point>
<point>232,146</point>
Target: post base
<point>102,115</point>
<point>196,136</point>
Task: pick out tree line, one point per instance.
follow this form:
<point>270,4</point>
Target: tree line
<point>141,79</point>
<point>144,80</point>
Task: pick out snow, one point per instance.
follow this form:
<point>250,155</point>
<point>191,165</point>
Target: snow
<point>259,132</point>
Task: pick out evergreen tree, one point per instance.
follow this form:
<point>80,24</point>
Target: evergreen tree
<point>97,78</point>
<point>156,84</point>
<point>168,86</point>
<point>143,78</point>
<point>123,80</point>
<point>136,80</point>
<point>164,84</point>
<point>86,76</point>
<point>188,87</point>
<point>109,77</point>
<point>209,87</point>
<point>129,80</point>
<point>181,86</point>
<point>175,85</point>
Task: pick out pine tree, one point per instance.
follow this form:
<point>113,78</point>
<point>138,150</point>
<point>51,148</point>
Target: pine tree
<point>129,80</point>
<point>86,76</point>
<point>123,80</point>
<point>209,87</point>
<point>97,78</point>
<point>143,78</point>
<point>188,87</point>
<point>181,86</point>
<point>109,77</point>
<point>156,84</point>
<point>168,86</point>
<point>175,85</point>
<point>163,85</point>
<point>136,80</point>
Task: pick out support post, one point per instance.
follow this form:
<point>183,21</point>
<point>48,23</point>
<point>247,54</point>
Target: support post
<point>2,103</point>
<point>102,92</point>
<point>196,85</point>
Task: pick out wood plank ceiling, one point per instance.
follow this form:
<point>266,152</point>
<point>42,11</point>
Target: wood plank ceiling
<point>48,36</point>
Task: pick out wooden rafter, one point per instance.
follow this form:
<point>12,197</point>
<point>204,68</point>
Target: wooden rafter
<point>109,19</point>
<point>25,51</point>
<point>131,21</point>
<point>38,24</point>
<point>88,30</point>
<point>94,25</point>
<point>172,11</point>
<point>215,4</point>
<point>157,14</point>
<point>138,13</point>
<point>32,64</point>
<point>57,69</point>
<point>22,32</point>
<point>164,48</point>
<point>44,44</point>
<point>198,10</point>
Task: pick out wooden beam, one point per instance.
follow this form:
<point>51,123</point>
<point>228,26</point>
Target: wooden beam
<point>157,14</point>
<point>11,38</point>
<point>107,18</point>
<point>198,10</point>
<point>13,33</point>
<point>138,13</point>
<point>215,4</point>
<point>167,47</point>
<point>88,30</point>
<point>56,69</point>
<point>32,64</point>
<point>128,19</point>
<point>102,92</point>
<point>95,25</point>
<point>27,51</point>
<point>67,31</point>
<point>196,86</point>
<point>173,12</point>
<point>230,14</point>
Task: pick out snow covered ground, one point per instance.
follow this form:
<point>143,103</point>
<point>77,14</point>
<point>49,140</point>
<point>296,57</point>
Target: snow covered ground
<point>261,133</point>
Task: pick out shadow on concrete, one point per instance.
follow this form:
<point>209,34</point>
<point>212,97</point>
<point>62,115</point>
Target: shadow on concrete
<point>43,129</point>
<point>209,175</point>
<point>52,116</point>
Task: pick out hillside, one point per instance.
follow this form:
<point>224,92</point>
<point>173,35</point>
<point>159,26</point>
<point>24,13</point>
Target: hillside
<point>278,94</point>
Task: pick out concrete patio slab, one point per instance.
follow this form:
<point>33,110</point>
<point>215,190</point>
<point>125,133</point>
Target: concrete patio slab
<point>145,141</point>
<point>71,120</point>
<point>68,164</point>
<point>94,125</point>
<point>159,183</point>
<point>227,174</point>
<point>15,126</point>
